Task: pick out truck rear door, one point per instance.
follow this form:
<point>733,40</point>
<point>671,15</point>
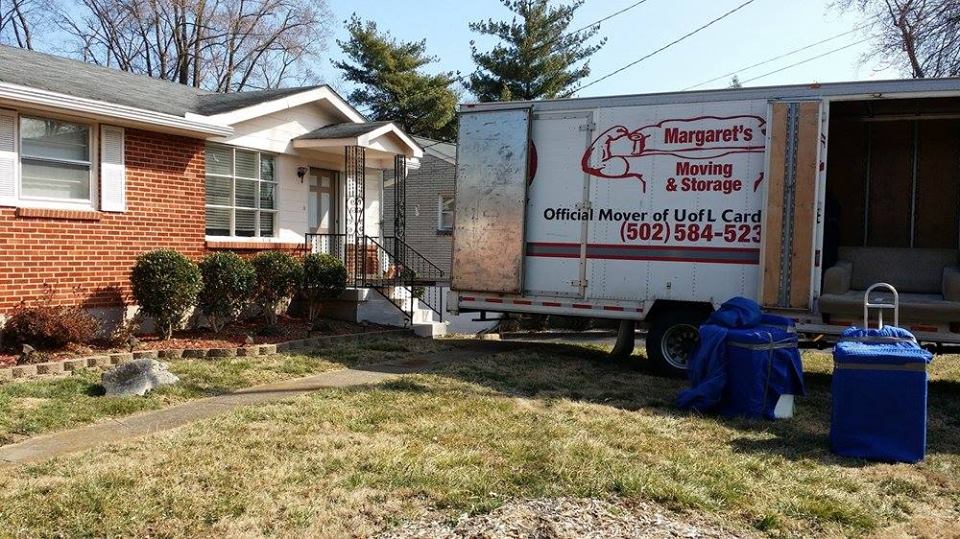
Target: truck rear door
<point>558,215</point>
<point>790,256</point>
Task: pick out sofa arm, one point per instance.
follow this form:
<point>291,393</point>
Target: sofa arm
<point>836,280</point>
<point>951,283</point>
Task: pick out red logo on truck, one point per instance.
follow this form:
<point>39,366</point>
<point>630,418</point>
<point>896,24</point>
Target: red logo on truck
<point>615,152</point>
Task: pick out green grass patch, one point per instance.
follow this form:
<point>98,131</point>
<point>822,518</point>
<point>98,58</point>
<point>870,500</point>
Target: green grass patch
<point>535,421</point>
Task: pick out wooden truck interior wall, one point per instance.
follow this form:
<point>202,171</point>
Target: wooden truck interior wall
<point>893,175</point>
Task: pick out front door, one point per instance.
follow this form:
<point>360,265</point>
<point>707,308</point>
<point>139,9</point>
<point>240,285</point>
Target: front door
<point>321,204</point>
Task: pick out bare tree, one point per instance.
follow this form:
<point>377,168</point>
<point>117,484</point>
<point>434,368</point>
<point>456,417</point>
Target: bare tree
<point>921,37</point>
<point>20,20</point>
<point>222,45</point>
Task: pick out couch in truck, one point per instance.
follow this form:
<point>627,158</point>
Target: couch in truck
<point>927,280</point>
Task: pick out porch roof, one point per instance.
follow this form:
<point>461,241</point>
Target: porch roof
<point>381,137</point>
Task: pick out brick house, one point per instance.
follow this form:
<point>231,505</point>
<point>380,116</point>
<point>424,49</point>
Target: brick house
<point>98,166</point>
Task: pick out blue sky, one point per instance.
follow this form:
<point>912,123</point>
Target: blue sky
<point>761,30</point>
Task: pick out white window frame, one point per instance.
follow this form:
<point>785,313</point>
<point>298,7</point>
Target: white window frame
<point>440,198</point>
<point>26,201</point>
<point>233,195</point>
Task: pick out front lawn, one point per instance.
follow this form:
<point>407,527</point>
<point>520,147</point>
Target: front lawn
<point>36,406</point>
<point>541,421</point>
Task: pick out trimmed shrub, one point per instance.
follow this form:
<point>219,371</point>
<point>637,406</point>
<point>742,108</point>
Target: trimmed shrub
<point>228,282</point>
<point>408,275</point>
<point>48,327</point>
<point>324,278</point>
<point>278,274</point>
<point>165,284</point>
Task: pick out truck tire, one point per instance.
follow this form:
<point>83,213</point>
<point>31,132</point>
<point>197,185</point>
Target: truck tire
<point>672,336</point>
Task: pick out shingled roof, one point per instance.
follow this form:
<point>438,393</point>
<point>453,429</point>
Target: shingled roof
<point>343,130</point>
<point>80,79</point>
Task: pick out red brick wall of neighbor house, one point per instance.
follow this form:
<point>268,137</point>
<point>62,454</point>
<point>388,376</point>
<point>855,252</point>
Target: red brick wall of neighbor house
<point>85,257</point>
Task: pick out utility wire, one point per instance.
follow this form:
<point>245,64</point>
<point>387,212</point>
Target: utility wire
<point>663,48</point>
<point>784,55</point>
<point>801,62</point>
<point>607,18</point>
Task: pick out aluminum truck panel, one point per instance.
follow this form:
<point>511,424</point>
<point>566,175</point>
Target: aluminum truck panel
<point>492,160</point>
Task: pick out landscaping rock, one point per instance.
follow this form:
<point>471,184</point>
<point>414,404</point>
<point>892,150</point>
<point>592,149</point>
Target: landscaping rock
<point>146,354</point>
<point>21,371</point>
<point>136,377</point>
<point>52,367</point>
<point>267,349</point>
<point>248,351</point>
<point>195,353</point>
<point>222,352</point>
<point>75,364</point>
<point>99,361</point>
<point>170,354</point>
<point>6,374</point>
<point>122,357</point>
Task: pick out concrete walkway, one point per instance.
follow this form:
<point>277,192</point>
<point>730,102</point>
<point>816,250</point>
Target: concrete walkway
<point>118,429</point>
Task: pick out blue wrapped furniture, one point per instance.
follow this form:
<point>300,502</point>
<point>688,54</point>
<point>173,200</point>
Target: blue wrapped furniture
<point>880,393</point>
<point>744,363</point>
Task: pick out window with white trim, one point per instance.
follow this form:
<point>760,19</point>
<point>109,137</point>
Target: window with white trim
<point>241,190</point>
<point>55,160</point>
<point>445,213</point>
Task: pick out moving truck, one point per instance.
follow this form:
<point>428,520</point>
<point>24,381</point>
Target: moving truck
<point>657,208</point>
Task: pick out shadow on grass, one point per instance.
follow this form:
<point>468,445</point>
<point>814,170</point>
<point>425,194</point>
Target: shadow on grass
<point>557,370</point>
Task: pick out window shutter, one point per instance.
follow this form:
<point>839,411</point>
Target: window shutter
<point>113,196</point>
<point>8,157</point>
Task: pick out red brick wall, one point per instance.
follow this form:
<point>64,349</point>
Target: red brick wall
<point>85,257</point>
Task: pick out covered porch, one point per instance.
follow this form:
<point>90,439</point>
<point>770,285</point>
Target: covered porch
<point>345,216</point>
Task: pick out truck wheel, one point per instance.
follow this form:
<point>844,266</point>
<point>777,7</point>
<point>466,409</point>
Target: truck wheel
<point>672,336</point>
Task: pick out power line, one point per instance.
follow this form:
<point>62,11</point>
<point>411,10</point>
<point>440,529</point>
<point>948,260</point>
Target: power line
<point>784,55</point>
<point>663,48</point>
<point>607,18</point>
<point>801,62</point>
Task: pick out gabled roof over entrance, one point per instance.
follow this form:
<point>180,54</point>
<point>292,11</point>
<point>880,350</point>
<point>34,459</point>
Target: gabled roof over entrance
<point>378,136</point>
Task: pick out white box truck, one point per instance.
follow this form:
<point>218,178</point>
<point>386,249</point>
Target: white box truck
<point>657,208</point>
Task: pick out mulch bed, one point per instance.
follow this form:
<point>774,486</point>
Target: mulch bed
<point>235,335</point>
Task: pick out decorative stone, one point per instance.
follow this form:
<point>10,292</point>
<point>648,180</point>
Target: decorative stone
<point>267,349</point>
<point>75,364</point>
<point>222,352</point>
<point>195,353</point>
<point>248,351</point>
<point>21,371</point>
<point>6,374</point>
<point>146,354</point>
<point>99,361</point>
<point>136,377</point>
<point>122,357</point>
<point>52,367</point>
<point>170,354</point>
<point>283,347</point>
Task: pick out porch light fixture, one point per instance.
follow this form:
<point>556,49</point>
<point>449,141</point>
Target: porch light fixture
<point>301,172</point>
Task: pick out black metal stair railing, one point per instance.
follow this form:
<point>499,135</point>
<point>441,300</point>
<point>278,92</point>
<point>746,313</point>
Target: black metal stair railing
<point>391,267</point>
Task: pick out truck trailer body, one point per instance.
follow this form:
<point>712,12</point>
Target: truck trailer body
<point>659,207</point>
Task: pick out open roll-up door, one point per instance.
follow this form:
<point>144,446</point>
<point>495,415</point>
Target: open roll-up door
<point>790,225</point>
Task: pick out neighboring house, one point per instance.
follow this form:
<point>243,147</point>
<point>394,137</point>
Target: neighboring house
<point>430,193</point>
<point>98,166</point>
<point>428,223</point>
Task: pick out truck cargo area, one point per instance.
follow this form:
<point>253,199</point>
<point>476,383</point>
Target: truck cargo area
<point>892,210</point>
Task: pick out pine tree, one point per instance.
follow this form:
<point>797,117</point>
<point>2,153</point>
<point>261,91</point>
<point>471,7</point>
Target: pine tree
<point>393,86</point>
<point>536,58</point>
<point>735,82</point>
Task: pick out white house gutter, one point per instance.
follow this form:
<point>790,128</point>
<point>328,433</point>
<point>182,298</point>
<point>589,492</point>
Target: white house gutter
<point>23,95</point>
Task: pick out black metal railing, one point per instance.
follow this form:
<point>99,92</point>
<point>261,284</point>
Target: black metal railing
<point>391,267</point>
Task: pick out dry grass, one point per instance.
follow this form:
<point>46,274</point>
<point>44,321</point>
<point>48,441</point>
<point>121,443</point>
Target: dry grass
<point>530,422</point>
<point>33,407</point>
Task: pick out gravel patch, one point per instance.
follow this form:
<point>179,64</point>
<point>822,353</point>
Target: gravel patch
<point>566,518</point>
